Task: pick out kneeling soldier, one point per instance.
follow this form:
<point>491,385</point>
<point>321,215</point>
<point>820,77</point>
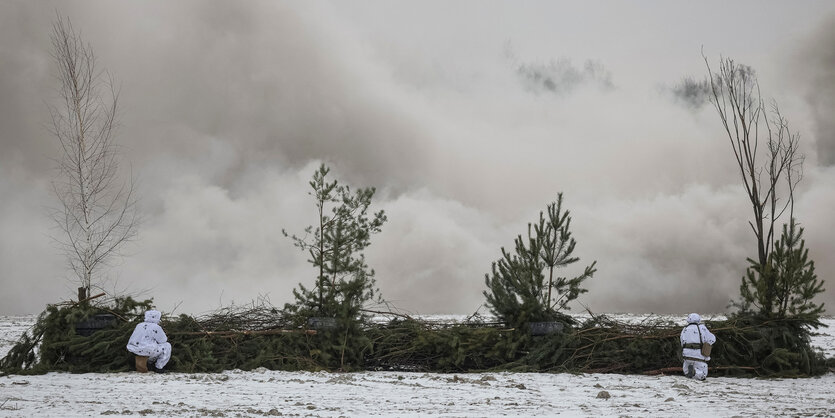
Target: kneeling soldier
<point>696,342</point>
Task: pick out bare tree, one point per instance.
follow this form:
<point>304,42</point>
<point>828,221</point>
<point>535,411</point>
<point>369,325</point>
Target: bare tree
<point>97,211</point>
<point>766,153</point>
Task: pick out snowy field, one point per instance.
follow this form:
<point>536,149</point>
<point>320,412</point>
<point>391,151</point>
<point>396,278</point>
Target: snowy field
<point>272,393</point>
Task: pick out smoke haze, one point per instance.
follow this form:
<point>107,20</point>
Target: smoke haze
<point>228,108</point>
<point>818,64</point>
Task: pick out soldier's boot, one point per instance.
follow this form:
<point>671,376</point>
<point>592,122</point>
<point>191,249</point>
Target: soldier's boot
<point>691,371</point>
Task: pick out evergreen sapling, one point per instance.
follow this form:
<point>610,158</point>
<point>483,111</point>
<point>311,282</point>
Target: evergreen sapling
<point>518,292</point>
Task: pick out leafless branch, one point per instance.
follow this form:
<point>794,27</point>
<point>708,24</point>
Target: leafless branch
<point>769,178</point>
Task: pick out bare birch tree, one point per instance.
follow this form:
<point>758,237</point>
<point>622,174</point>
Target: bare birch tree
<point>770,166</point>
<point>97,211</point>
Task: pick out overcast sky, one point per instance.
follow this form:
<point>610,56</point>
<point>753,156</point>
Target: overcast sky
<point>468,118</point>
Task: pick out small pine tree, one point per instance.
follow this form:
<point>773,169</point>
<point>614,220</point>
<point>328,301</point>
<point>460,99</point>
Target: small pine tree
<point>516,284</point>
<point>797,284</point>
<point>557,247</point>
<point>517,289</point>
<point>793,276</point>
<point>344,281</point>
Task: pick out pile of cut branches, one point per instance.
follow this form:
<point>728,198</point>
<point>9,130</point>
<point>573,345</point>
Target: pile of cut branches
<point>746,346</point>
<point>415,345</point>
<point>238,338</point>
<point>767,347</point>
<point>53,344</point>
<point>262,336</point>
<point>231,338</point>
<point>604,345</point>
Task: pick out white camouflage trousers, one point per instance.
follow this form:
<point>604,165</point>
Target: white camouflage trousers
<point>160,355</point>
<point>700,367</point>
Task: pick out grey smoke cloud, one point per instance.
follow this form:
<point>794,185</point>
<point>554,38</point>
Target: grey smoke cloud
<point>691,92</point>
<point>818,64</point>
<point>559,76</point>
<point>227,110</point>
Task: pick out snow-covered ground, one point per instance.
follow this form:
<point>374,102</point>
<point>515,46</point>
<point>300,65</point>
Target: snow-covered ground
<point>11,328</point>
<point>272,393</point>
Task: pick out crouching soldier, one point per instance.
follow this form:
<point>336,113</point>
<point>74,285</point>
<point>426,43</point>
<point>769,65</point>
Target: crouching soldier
<point>696,342</point>
<point>150,344</point>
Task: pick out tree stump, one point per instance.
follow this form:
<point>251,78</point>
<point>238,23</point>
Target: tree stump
<point>142,364</point>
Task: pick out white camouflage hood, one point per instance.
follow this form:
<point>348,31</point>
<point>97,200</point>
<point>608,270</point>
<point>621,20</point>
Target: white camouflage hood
<point>153,316</point>
<point>694,318</point>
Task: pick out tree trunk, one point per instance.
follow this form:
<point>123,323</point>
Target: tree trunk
<point>550,284</point>
<point>83,293</point>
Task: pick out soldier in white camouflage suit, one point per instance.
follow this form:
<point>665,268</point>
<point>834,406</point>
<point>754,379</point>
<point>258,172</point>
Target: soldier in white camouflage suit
<point>148,339</point>
<point>693,337</point>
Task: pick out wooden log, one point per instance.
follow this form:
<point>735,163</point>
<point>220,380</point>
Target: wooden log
<point>673,370</point>
<point>92,297</point>
<point>71,303</point>
<point>248,332</point>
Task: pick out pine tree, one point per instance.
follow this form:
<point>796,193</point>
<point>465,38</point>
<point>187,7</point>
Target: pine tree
<point>344,281</point>
<point>556,252</point>
<point>793,276</point>
<point>517,289</point>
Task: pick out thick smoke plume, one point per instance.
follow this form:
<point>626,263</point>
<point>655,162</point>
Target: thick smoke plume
<point>819,66</point>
